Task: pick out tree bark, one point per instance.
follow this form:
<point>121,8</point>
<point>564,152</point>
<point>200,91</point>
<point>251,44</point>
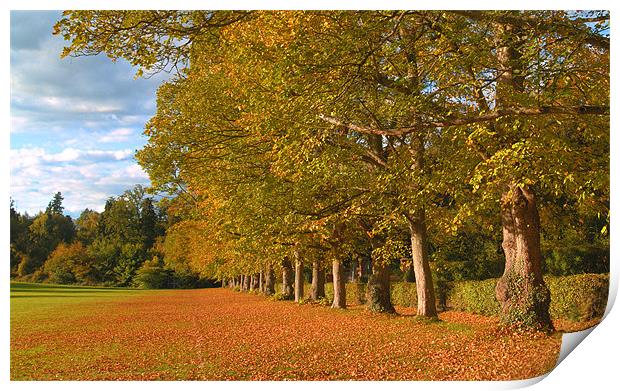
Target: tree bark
<point>254,284</point>
<point>422,270</point>
<point>299,278</point>
<point>246,283</point>
<point>270,281</point>
<point>287,280</point>
<point>521,291</point>
<point>378,290</point>
<point>340,296</point>
<point>318,281</point>
<point>378,287</point>
<point>354,271</point>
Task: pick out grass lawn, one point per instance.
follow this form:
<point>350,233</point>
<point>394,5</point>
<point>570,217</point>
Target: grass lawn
<point>83,333</point>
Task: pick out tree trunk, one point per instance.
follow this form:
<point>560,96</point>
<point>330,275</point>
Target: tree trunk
<point>318,281</point>
<point>378,290</point>
<point>340,296</point>
<point>254,285</point>
<point>246,283</point>
<point>287,279</point>
<point>299,278</point>
<point>354,271</point>
<point>421,267</point>
<point>378,286</point>
<point>261,286</point>
<point>521,291</point>
<point>270,281</point>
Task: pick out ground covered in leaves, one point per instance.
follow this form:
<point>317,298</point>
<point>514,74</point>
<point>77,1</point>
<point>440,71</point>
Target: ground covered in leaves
<point>216,334</point>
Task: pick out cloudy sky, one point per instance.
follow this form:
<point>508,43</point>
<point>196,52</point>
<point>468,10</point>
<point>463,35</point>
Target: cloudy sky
<point>75,122</point>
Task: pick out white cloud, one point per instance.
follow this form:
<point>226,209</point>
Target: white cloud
<point>136,171</point>
<point>86,178</point>
<point>67,155</point>
<point>117,135</point>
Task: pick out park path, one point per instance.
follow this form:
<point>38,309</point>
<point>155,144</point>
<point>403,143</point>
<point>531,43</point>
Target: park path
<point>216,334</point>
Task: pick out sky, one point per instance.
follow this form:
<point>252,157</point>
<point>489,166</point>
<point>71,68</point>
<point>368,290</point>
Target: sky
<point>75,122</point>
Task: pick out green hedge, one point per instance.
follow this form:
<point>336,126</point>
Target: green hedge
<point>477,297</point>
<point>576,297</point>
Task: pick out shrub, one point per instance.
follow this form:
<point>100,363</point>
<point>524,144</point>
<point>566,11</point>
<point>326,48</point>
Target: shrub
<point>279,296</point>
<point>578,297</point>
<point>474,296</point>
<point>152,275</point>
<point>26,265</point>
<point>356,293</point>
<point>68,264</point>
<point>577,259</point>
<point>329,292</point>
<point>404,294</point>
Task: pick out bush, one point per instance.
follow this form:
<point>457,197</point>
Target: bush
<point>404,294</point>
<point>152,275</point>
<point>68,264</point>
<point>578,297</point>
<point>474,296</point>
<point>26,266</point>
<point>356,293</point>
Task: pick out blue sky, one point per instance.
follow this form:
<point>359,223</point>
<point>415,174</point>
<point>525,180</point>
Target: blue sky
<point>75,122</point>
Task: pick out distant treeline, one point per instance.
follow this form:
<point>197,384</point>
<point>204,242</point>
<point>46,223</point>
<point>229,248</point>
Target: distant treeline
<point>121,246</point>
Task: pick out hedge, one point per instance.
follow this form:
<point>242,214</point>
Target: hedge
<point>577,297</point>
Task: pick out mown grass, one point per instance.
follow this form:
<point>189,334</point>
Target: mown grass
<point>84,333</point>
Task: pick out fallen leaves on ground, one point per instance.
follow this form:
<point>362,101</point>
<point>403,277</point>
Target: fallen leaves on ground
<point>217,334</point>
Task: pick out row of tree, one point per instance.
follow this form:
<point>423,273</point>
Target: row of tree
<point>295,137</point>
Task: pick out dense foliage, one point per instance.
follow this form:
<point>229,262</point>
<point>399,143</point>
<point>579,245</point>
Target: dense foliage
<point>115,247</point>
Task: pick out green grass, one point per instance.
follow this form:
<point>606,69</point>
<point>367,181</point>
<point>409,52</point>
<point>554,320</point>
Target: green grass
<point>30,300</point>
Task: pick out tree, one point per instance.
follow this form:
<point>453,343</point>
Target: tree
<point>87,226</point>
<point>152,275</point>
<point>55,205</point>
<point>70,263</point>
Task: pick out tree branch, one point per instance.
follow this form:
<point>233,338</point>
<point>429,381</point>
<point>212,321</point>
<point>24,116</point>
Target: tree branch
<point>466,120</point>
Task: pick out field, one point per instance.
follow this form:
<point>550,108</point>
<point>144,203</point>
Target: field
<point>81,333</point>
